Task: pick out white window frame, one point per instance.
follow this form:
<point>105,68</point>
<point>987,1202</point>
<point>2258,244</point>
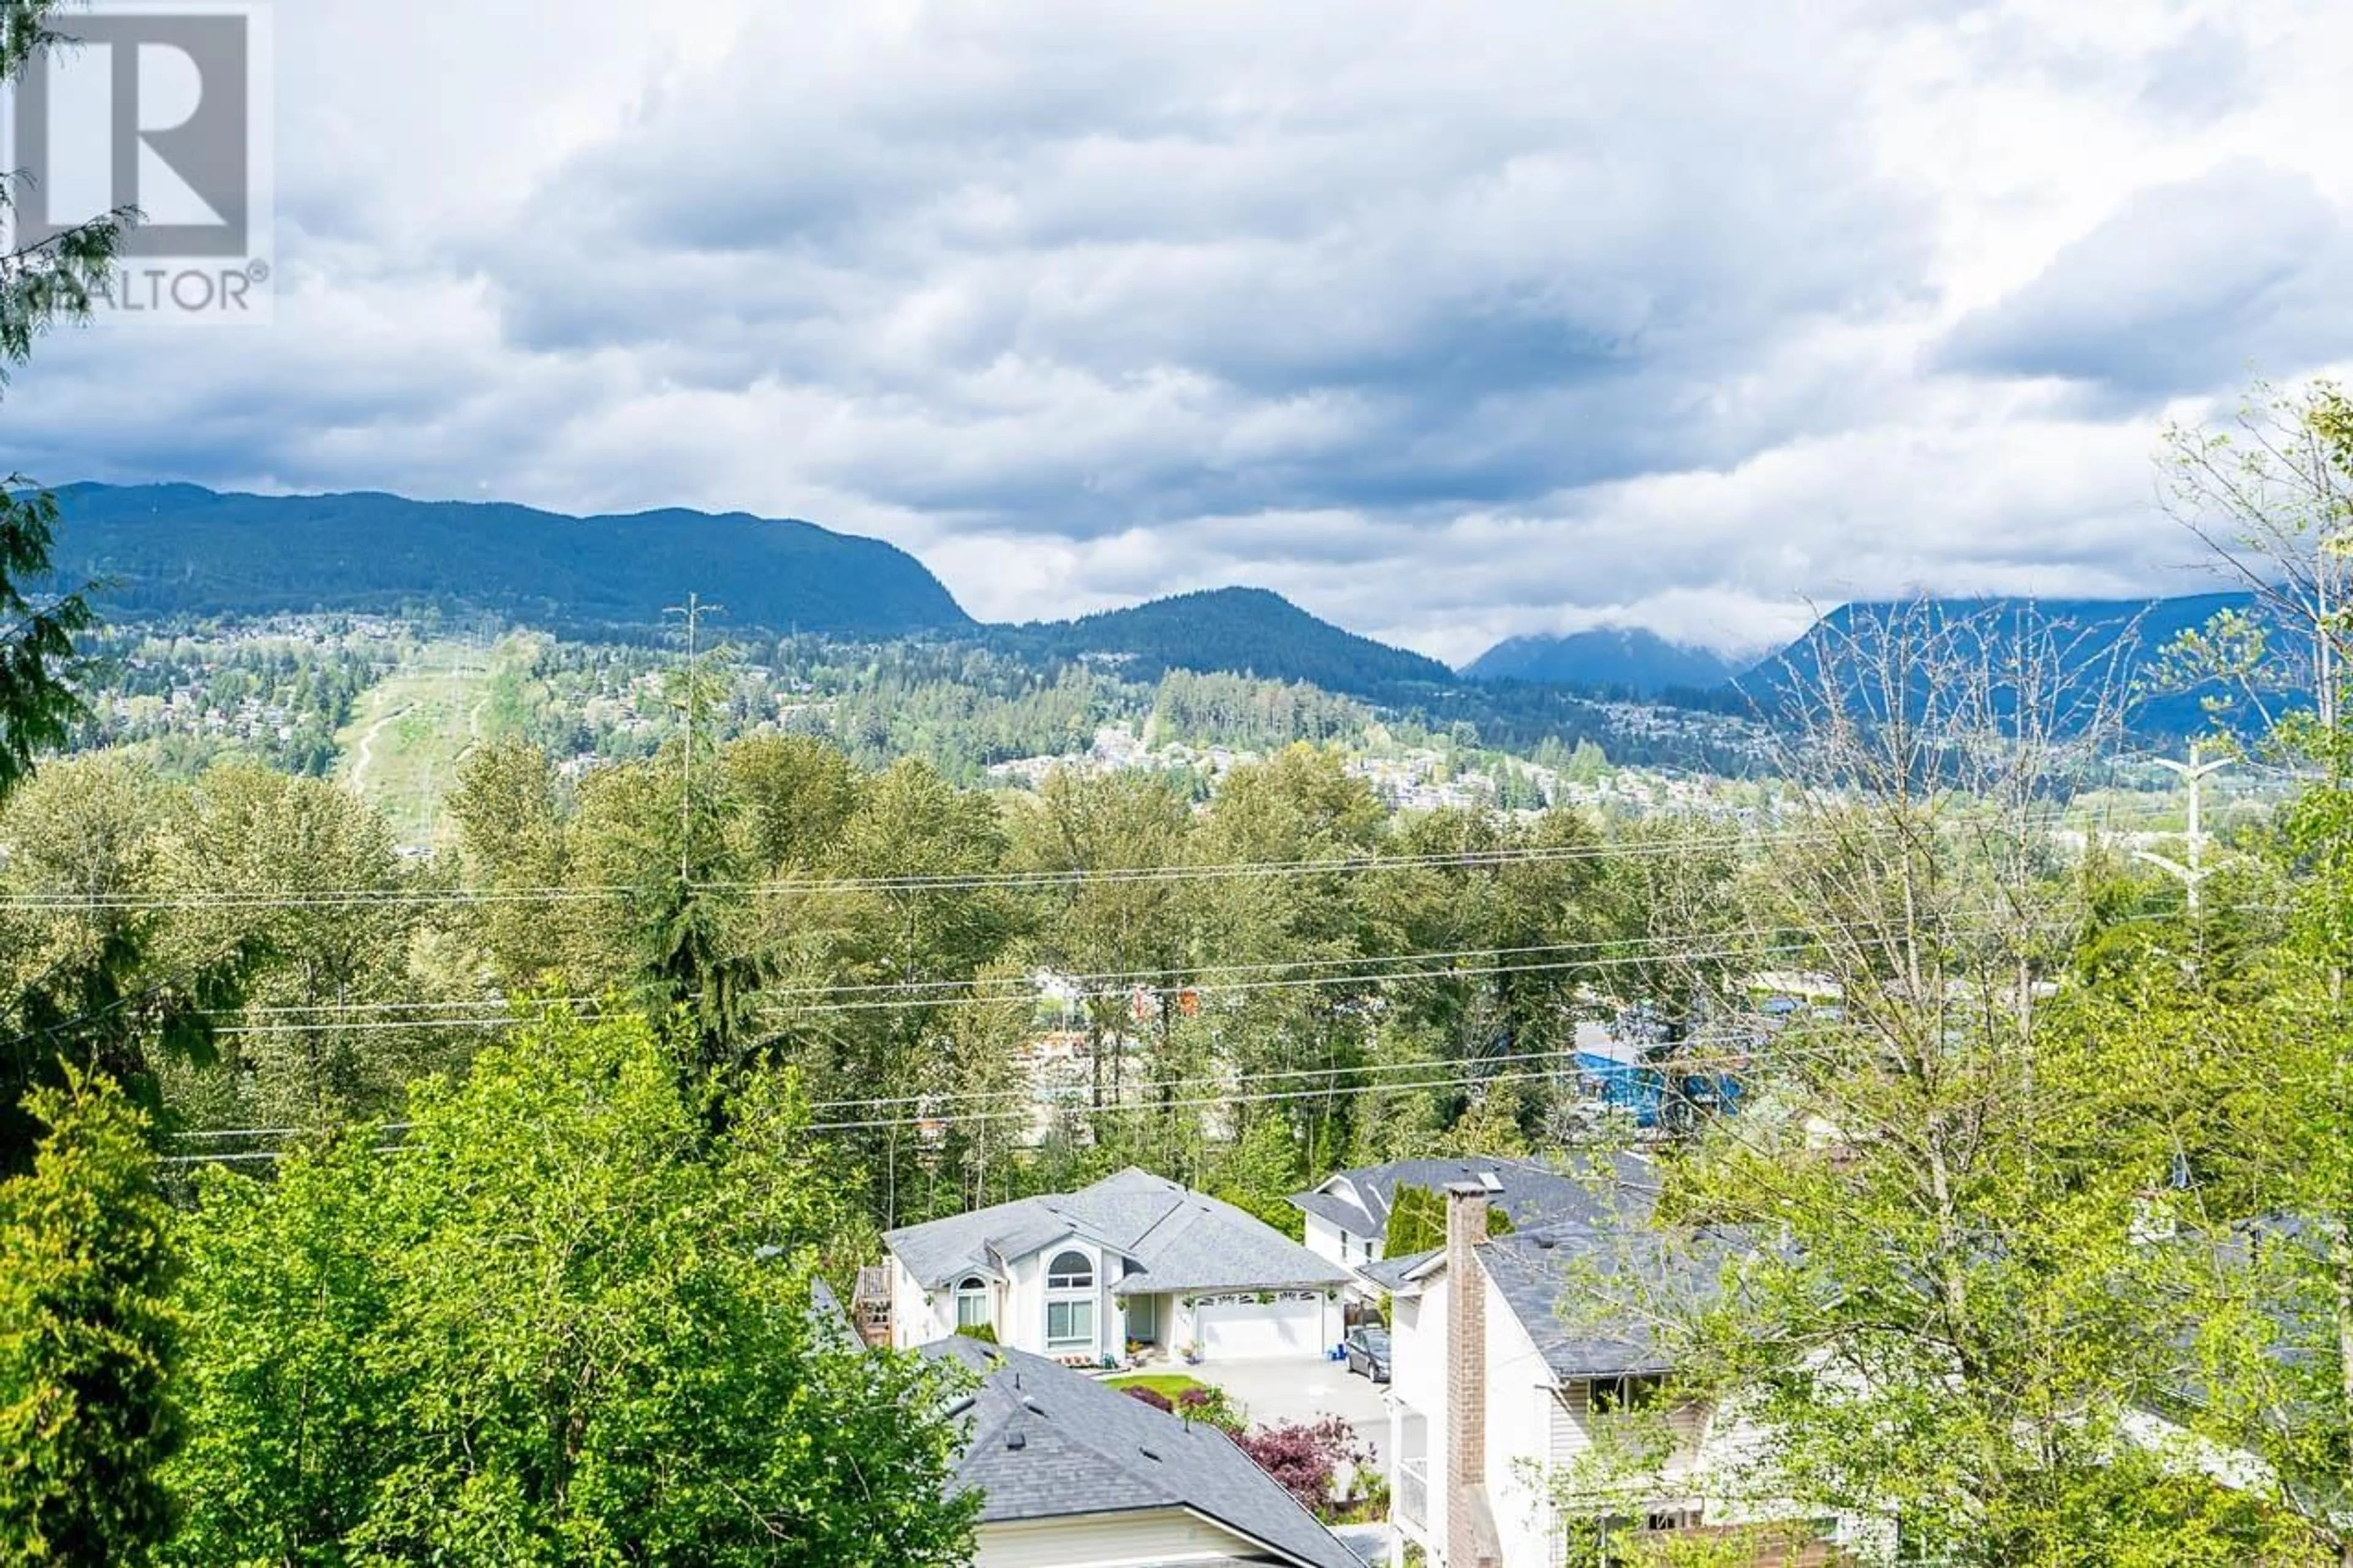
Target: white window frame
<point>973,1289</point>
<point>1071,1293</point>
<point>1082,1307</point>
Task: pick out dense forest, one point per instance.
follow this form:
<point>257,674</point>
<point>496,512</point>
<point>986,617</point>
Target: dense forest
<point>174,552</point>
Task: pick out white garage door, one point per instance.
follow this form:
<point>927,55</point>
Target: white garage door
<point>1246,1330</point>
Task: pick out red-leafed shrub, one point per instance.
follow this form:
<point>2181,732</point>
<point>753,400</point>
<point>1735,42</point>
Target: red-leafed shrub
<point>1306,1456</point>
<point>1152,1396</point>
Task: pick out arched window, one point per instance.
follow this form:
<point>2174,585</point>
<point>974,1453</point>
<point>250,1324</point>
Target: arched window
<point>1071,1303</point>
<point>972,1303</point>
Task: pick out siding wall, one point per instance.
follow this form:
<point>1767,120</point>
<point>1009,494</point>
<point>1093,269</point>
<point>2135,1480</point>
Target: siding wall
<point>1535,1428</point>
<point>1324,1240</point>
<point>1018,1306</point>
<point>1519,1432</point>
<point>1109,1540</point>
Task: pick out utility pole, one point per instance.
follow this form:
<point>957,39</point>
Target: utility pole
<point>2192,773</point>
<point>692,611</point>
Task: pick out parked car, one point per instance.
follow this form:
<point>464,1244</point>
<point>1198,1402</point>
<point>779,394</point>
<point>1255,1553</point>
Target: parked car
<point>1368,1351</point>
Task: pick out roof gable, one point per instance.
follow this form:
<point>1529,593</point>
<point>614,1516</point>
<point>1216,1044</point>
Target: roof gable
<point>1046,1442</point>
<point>1173,1238</point>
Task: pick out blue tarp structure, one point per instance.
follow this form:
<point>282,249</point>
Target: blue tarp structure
<point>1617,1074</point>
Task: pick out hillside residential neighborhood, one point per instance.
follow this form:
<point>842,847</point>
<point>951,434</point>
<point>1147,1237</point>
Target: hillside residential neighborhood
<point>1521,1366</point>
<point>1513,1356</point>
<point>1036,784</point>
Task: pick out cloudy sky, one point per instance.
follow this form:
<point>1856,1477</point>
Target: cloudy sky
<point>1448,320</point>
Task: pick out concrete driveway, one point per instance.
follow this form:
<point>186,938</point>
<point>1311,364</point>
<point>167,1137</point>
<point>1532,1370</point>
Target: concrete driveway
<point>1303,1391</point>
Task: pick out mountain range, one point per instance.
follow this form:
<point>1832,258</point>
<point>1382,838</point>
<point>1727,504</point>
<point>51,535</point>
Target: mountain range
<point>180,550</point>
<point>1624,659</point>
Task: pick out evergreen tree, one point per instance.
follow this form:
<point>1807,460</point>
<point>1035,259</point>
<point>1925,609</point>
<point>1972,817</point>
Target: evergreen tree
<point>87,1336</point>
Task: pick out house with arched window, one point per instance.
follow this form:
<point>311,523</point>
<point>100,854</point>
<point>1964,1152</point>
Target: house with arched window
<point>1134,1259</point>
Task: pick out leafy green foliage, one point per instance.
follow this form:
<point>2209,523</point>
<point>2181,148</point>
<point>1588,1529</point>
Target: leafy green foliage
<point>87,1336</point>
<point>39,286</point>
<point>562,1324</point>
<point>1210,1404</point>
<point>1417,1222</point>
<point>114,985</point>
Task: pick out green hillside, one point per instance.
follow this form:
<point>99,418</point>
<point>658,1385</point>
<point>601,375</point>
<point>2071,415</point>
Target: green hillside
<point>1244,631</point>
<point>168,551</point>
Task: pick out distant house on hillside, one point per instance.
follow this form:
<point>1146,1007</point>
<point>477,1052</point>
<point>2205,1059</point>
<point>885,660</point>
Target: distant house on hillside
<point>1076,1276</point>
<point>1079,1475</point>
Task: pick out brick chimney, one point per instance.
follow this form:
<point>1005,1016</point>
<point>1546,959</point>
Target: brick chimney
<point>1470,1521</point>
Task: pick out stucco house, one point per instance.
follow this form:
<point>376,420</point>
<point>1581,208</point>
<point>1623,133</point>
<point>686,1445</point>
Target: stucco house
<point>1501,1379</point>
<point>1076,1276</point>
<point>1077,1475</point>
<point>1347,1214</point>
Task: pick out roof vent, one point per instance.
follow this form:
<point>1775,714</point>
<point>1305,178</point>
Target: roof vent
<point>1017,1438</point>
<point>1149,1454</point>
<point>1031,1406</point>
<point>1492,1182</point>
<point>1545,1241</point>
<point>959,1406</point>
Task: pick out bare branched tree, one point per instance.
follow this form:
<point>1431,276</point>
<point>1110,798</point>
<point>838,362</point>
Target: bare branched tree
<point>2269,494</point>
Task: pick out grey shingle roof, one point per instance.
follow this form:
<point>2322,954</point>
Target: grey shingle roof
<point>1174,1239</point>
<point>1529,1190</point>
<point>1391,1273</point>
<point>1085,1449</point>
<point>1586,1294</point>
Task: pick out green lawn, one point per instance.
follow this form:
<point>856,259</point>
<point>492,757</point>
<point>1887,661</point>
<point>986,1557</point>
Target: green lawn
<point>1167,1385</point>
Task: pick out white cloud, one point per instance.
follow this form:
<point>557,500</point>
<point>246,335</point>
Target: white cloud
<point>1450,322</point>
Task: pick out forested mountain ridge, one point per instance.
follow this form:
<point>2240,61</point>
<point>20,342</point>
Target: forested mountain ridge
<point>167,551</point>
<point>176,552</point>
<point>1241,631</point>
<point>2118,646</point>
<point>1627,658</point>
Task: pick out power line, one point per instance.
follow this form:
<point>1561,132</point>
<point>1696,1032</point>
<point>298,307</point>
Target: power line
<point>894,1004</point>
<point>977,881</point>
<point>1496,857</point>
<point>1368,971</point>
<point>1088,985</point>
<point>941,1103</point>
<point>1023,1113</point>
